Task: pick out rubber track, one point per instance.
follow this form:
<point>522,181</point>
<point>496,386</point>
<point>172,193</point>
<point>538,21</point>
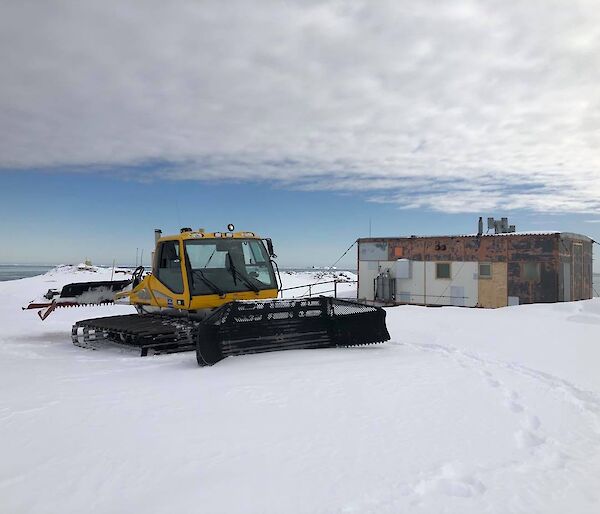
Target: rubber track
<point>147,332</point>
<point>241,328</point>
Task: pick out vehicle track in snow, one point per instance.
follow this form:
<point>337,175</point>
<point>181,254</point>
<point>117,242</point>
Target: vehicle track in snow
<point>574,458</point>
<point>588,402</point>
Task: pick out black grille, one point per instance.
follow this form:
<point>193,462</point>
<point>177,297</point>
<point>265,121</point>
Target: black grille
<point>244,327</point>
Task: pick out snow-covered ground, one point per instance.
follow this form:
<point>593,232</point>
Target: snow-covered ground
<point>464,411</point>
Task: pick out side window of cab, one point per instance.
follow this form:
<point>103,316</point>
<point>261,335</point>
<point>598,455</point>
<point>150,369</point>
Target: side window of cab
<point>168,266</point>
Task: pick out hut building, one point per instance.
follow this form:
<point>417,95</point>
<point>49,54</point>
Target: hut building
<point>479,270</point>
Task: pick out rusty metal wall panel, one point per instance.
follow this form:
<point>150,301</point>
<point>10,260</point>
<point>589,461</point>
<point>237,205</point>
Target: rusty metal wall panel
<point>541,249</point>
<point>546,291</point>
<point>578,271</point>
<point>564,282</point>
<point>581,274</point>
<point>529,291</point>
<point>564,279</point>
<point>517,287</point>
<point>493,249</point>
<point>533,248</point>
<point>588,273</point>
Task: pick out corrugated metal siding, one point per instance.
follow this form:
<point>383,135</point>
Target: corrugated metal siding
<point>535,249</point>
<point>580,282</point>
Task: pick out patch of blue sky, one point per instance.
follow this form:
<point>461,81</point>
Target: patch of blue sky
<point>64,217</point>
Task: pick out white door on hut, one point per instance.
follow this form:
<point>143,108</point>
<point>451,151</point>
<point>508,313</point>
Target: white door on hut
<point>457,295</point>
<point>566,281</point>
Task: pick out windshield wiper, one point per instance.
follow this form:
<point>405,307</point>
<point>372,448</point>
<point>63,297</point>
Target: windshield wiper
<point>241,276</point>
<point>209,259</point>
<point>215,288</point>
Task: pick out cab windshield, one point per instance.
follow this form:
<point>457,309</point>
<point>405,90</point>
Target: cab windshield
<point>228,265</point>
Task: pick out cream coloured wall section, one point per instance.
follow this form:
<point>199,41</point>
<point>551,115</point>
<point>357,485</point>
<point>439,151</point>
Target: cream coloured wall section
<point>493,291</point>
<point>423,286</point>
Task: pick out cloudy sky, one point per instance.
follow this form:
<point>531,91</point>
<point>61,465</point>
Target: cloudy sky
<point>406,111</point>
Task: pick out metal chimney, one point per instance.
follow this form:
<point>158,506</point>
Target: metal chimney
<point>157,235</point>
<point>480,226</point>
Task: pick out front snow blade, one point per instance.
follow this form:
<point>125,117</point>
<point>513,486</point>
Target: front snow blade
<point>256,326</point>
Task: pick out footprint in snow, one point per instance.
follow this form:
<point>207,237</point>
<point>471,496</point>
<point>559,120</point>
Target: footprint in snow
<point>493,383</point>
<point>514,406</point>
<point>527,439</point>
<point>533,422</point>
<point>451,480</point>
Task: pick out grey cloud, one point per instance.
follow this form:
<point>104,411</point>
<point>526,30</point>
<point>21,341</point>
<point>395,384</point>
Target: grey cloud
<point>444,105</point>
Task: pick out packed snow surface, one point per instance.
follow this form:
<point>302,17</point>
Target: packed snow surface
<point>463,411</point>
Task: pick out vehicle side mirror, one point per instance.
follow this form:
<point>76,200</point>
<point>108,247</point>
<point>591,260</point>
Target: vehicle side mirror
<point>270,248</point>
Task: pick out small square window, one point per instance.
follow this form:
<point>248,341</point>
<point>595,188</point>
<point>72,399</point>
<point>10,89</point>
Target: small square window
<point>442,270</point>
<point>485,270</point>
<point>530,271</point>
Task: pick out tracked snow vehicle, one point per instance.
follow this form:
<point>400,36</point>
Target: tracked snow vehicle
<point>217,293</point>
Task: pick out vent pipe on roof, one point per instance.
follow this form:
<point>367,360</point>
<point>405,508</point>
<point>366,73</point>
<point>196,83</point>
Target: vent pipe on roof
<point>480,226</point>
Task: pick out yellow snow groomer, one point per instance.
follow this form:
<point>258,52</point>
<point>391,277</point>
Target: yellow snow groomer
<point>198,271</point>
<point>216,292</point>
